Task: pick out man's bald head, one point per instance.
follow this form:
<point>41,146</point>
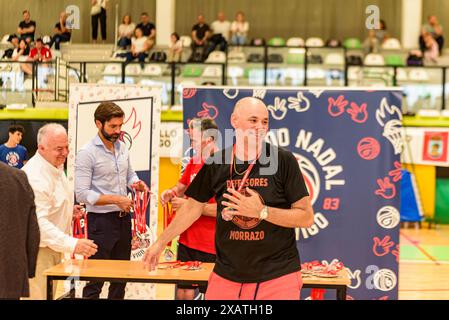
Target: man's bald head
<point>250,121</point>
<point>249,105</point>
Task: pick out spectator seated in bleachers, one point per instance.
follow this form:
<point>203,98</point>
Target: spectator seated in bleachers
<point>148,29</point>
<point>221,31</point>
<point>61,32</point>
<point>434,28</point>
<point>139,48</point>
<point>200,34</point>
<point>239,29</point>
<point>41,53</point>
<point>175,48</point>
<point>27,27</point>
<point>22,54</point>
<point>376,37</point>
<point>14,40</point>
<point>125,32</point>
<point>431,51</point>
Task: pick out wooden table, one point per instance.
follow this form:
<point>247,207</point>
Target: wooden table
<point>340,284</point>
<point>133,271</point>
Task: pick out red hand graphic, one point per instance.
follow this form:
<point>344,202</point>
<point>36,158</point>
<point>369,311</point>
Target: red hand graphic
<point>337,107</point>
<point>382,247</point>
<point>136,124</point>
<point>358,114</point>
<point>188,93</point>
<point>209,111</point>
<point>395,252</point>
<point>396,174</point>
<point>387,190</point>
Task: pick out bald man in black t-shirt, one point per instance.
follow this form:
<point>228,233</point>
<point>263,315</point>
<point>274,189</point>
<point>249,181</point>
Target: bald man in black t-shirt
<point>261,198</point>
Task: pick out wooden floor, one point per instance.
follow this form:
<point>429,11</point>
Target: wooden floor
<point>424,264</point>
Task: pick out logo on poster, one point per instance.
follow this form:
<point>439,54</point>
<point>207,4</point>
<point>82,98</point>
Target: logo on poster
<point>321,174</point>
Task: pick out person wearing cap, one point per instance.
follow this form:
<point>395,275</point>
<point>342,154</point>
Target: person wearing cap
<point>14,40</point>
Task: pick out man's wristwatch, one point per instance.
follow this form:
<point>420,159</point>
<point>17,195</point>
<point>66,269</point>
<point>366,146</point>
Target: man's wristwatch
<point>263,214</point>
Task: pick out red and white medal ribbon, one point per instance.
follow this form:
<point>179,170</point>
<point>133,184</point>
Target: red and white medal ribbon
<point>80,229</point>
<point>318,269</point>
<point>187,265</point>
<point>168,216</point>
<point>141,200</point>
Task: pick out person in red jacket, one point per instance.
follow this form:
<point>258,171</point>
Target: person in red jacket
<point>40,53</point>
<point>197,243</point>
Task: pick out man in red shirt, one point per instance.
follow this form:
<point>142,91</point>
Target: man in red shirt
<point>40,53</point>
<point>197,243</point>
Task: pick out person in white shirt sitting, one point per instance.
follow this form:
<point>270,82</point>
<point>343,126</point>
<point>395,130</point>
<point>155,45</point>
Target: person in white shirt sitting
<point>125,32</point>
<point>139,48</point>
<point>174,48</point>
<point>221,32</point>
<point>239,29</point>
<point>431,51</point>
<point>53,197</point>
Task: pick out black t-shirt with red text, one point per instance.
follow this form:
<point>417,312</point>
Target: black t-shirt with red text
<point>250,250</point>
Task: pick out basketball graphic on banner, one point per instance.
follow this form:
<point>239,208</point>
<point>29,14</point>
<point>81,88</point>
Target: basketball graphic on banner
<point>341,140</point>
<point>388,217</point>
<point>385,280</point>
<point>311,177</point>
<point>368,148</point>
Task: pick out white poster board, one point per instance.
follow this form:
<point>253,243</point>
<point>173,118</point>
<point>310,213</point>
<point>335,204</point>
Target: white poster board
<point>141,133</point>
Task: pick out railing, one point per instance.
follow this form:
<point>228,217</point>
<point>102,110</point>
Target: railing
<point>273,73</point>
<point>117,71</point>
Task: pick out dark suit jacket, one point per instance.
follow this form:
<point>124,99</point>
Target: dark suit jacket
<point>19,233</point>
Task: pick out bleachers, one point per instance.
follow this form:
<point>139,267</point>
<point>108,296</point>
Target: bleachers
<point>245,65</point>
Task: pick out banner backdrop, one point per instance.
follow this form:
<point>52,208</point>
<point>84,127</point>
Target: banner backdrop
<point>348,144</point>
<point>140,132</point>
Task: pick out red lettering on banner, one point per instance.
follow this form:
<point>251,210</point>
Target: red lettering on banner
<point>331,204</point>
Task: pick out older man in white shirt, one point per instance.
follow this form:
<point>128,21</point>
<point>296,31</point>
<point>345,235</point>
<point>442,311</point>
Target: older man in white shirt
<point>54,205</point>
<point>222,26</point>
<point>221,30</point>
